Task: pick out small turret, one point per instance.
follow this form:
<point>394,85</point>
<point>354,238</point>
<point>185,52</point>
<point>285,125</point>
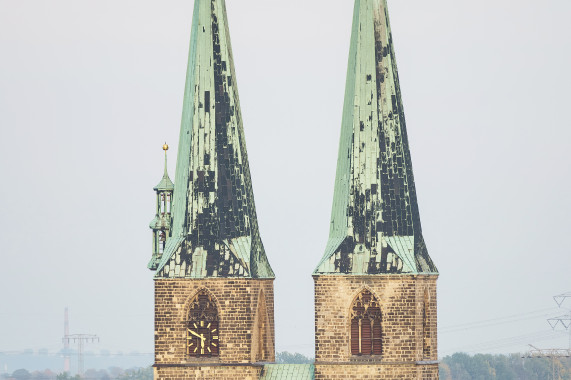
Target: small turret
<point>162,221</point>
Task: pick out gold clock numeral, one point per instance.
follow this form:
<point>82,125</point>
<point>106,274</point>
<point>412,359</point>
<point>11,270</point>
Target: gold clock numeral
<point>215,337</point>
<point>195,326</point>
<point>208,348</point>
<point>201,323</point>
<point>214,344</point>
<point>190,344</point>
<point>196,348</point>
<point>213,330</point>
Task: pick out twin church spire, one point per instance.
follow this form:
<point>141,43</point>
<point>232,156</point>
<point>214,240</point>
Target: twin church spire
<point>375,223</point>
<point>214,298</point>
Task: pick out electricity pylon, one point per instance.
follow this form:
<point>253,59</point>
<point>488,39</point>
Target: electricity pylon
<point>81,339</point>
<point>555,353</point>
<point>564,320</point>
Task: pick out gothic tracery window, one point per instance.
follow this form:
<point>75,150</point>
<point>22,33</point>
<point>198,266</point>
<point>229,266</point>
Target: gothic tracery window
<point>202,337</point>
<point>366,329</point>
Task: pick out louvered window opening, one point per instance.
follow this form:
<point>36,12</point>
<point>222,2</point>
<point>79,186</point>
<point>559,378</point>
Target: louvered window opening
<point>366,325</point>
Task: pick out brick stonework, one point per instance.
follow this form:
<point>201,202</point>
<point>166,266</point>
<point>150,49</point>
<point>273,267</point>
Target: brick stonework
<point>382,372</point>
<point>407,354</point>
<point>244,322</point>
<point>218,373</point>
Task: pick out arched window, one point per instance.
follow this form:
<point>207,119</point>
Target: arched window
<point>366,329</point>
<point>162,241</point>
<point>202,336</point>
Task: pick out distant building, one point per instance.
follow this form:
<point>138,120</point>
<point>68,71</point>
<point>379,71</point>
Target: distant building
<point>375,287</point>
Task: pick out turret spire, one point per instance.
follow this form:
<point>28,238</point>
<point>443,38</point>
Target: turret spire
<point>375,223</point>
<point>162,221</point>
<point>165,148</point>
<point>214,229</point>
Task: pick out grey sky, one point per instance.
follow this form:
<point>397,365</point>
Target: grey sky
<point>89,91</point>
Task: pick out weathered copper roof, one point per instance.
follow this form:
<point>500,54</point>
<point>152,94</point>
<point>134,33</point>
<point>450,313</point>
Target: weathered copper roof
<point>375,223</point>
<point>288,372</point>
<point>214,230</point>
<point>166,183</point>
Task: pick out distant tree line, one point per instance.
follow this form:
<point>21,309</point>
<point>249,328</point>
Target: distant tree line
<point>459,366</point>
<point>503,367</point>
<point>113,373</point>
<point>285,357</point>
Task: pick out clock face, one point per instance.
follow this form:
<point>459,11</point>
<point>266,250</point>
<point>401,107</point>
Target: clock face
<point>202,338</point>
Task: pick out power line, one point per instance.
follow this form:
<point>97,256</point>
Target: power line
<point>555,353</point>
<point>496,321</point>
<point>564,320</point>
<point>62,354</point>
<point>547,353</point>
<point>540,335</point>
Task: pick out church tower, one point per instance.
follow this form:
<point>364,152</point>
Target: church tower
<point>375,287</point>
<point>214,298</point>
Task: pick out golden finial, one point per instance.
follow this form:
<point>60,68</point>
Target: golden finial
<point>165,147</point>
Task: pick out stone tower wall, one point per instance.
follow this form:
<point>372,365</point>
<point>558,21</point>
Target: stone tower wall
<point>237,300</point>
<point>407,352</point>
<point>210,372</point>
<point>376,371</point>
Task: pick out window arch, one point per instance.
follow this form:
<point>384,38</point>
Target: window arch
<point>366,327</point>
<point>202,330</point>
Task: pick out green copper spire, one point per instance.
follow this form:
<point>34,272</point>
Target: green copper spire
<point>375,223</point>
<point>214,229</point>
<point>162,220</point>
<point>166,183</point>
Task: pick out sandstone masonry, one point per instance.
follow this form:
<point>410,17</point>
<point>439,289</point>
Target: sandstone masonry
<point>408,332</point>
<point>246,324</point>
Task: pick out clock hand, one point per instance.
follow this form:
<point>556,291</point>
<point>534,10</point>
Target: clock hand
<point>201,336</point>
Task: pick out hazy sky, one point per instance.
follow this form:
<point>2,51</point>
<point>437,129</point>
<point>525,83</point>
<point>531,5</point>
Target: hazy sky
<point>90,90</point>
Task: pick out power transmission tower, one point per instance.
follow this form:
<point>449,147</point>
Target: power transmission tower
<point>66,365</point>
<point>555,353</point>
<point>547,352</point>
<point>552,353</point>
<point>564,320</point>
<point>80,339</point>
